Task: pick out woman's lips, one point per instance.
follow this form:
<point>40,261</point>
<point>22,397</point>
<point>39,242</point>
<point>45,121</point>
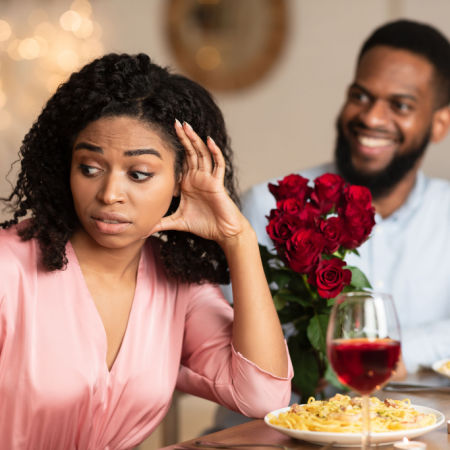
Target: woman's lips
<point>111,223</point>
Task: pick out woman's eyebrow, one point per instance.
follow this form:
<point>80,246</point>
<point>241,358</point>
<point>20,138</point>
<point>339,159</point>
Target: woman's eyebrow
<point>143,151</point>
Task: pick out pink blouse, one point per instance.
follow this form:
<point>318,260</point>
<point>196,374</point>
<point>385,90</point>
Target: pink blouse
<point>56,391</point>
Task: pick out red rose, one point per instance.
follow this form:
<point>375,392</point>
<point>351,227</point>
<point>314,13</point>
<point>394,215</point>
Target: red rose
<point>357,228</point>
<point>358,196</point>
<point>290,206</point>
<point>358,215</point>
<point>330,277</point>
<point>333,232</point>
<point>309,215</point>
<point>303,250</point>
<point>291,186</point>
<point>281,227</point>
<point>328,190</point>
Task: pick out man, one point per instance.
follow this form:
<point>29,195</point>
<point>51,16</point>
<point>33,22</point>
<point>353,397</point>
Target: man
<point>398,102</point>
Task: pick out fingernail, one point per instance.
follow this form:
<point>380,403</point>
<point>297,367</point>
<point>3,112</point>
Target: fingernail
<point>178,123</point>
<point>188,125</point>
<point>212,140</point>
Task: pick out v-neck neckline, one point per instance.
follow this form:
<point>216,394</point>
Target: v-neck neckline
<point>100,327</point>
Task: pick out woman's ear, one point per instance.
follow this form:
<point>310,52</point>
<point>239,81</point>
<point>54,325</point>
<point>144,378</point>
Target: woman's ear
<point>440,124</point>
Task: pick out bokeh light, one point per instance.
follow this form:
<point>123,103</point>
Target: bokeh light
<point>5,30</point>
<point>70,21</point>
<point>38,54</point>
<point>29,48</point>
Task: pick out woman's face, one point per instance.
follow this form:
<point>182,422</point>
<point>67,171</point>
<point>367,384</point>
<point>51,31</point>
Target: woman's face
<point>122,180</point>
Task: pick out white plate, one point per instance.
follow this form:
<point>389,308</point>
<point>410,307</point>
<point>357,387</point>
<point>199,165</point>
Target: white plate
<point>438,364</point>
<point>354,439</point>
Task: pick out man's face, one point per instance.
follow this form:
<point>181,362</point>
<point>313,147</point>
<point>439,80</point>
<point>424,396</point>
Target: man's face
<point>385,123</point>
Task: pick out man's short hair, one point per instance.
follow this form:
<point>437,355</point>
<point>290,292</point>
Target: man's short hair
<point>421,39</point>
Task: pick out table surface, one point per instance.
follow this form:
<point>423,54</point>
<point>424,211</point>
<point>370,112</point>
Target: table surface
<point>257,431</point>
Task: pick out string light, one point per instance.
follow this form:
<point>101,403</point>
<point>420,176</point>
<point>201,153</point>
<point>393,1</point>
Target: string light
<point>29,48</point>
<point>49,53</point>
<point>70,21</point>
<point>5,30</point>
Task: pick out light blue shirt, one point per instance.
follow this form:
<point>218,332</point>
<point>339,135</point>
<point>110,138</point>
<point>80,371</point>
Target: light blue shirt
<point>407,255</point>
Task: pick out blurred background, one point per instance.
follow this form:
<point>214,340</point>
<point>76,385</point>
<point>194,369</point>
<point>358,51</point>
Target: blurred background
<point>278,69</point>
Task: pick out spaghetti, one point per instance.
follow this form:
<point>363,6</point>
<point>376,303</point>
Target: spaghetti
<point>445,368</point>
<point>343,414</point>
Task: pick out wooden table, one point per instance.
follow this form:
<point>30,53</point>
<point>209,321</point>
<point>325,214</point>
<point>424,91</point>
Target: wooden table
<point>257,431</point>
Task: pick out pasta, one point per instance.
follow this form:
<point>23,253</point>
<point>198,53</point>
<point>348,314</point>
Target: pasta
<point>445,368</point>
<point>342,414</point>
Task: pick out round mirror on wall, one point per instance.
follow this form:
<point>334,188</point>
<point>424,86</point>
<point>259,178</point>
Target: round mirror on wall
<point>226,44</point>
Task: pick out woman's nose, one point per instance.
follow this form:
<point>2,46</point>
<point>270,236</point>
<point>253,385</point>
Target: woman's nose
<point>112,189</point>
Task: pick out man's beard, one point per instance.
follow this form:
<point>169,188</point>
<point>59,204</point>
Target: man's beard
<point>382,182</point>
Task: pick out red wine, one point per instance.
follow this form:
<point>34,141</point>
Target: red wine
<point>364,364</point>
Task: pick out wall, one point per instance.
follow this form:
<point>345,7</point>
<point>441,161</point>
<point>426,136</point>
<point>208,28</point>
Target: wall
<point>283,122</point>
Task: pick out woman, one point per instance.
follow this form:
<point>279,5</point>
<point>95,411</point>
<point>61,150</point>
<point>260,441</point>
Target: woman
<point>108,292</point>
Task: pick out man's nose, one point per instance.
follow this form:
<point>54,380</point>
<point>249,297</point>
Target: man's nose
<point>376,114</point>
<point>112,189</point>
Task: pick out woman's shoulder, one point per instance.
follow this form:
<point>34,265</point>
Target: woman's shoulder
<point>14,251</point>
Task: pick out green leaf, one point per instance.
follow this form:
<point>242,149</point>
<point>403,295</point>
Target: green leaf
<point>332,378</point>
<point>306,370</point>
<point>295,299</point>
<point>298,285</point>
<point>359,280</point>
<point>317,332</point>
<point>330,302</point>
<point>281,277</point>
<point>279,302</point>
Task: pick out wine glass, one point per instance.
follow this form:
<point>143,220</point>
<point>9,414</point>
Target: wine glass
<point>363,345</point>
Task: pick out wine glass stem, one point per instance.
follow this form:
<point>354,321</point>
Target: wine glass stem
<point>365,436</point>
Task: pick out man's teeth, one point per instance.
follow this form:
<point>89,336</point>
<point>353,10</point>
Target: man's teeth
<point>374,142</point>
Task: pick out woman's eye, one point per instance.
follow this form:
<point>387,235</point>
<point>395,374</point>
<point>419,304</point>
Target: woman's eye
<point>89,171</point>
<point>138,175</point>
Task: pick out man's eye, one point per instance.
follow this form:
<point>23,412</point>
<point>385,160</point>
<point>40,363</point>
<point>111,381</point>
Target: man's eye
<point>140,176</point>
<point>402,107</point>
<point>359,97</point>
<point>89,171</point>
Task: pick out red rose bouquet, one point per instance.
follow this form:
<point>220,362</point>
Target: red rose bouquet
<point>313,228</point>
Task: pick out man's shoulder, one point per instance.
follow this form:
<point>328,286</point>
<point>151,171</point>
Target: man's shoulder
<point>438,184</point>
<point>437,191</point>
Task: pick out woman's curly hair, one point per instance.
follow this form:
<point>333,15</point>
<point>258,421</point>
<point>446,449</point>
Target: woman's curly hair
<point>115,85</point>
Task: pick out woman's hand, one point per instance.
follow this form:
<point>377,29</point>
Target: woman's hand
<point>205,207</point>
<point>207,210</point>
